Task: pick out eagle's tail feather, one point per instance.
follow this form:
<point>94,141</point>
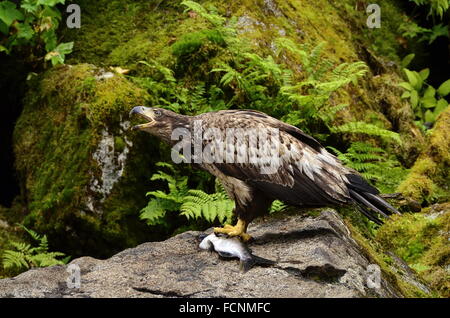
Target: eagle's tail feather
<point>380,203</point>
<point>370,205</point>
<point>367,200</point>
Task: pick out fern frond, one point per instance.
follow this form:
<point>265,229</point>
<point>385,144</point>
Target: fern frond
<point>167,73</point>
<point>26,256</point>
<point>277,206</point>
<point>14,260</point>
<point>215,19</point>
<point>35,236</point>
<point>199,204</point>
<point>21,246</point>
<point>368,129</point>
<point>46,259</point>
<point>156,209</point>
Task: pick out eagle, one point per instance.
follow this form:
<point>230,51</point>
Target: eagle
<point>259,159</point>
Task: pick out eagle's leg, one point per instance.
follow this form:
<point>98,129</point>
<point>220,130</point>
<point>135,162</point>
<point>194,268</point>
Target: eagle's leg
<point>240,229</point>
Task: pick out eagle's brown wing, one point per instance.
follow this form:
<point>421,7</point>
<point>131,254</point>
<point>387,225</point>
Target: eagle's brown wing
<point>306,174</point>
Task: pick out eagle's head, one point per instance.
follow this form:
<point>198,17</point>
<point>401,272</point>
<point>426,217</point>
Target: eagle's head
<point>160,122</point>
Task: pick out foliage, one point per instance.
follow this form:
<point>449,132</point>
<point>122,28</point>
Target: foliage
<point>421,239</point>
<point>192,204</point>
<point>374,164</point>
<point>163,202</point>
<point>437,9</point>
<point>426,101</point>
<point>33,25</point>
<point>368,129</point>
<point>25,256</point>
<point>277,206</point>
<point>413,30</point>
<point>198,204</point>
<point>169,93</point>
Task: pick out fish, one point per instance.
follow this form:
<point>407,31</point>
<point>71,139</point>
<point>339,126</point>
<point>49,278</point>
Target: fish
<point>232,247</point>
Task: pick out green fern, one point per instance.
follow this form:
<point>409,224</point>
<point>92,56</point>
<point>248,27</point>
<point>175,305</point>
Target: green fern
<point>309,98</point>
<point>374,165</point>
<point>436,7</point>
<point>213,18</point>
<point>25,256</point>
<point>161,201</point>
<point>360,127</point>
<point>277,206</point>
<point>190,203</point>
<point>198,204</point>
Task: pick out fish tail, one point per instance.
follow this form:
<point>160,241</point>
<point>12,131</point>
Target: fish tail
<point>255,260</point>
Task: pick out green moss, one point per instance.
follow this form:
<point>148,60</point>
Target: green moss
<point>422,241</point>
<point>377,255</point>
<point>65,114</point>
<point>417,187</point>
<point>429,178</point>
<point>119,144</point>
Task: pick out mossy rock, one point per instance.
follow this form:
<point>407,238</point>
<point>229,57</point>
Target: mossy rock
<point>85,174</point>
<point>429,179</point>
<point>422,240</point>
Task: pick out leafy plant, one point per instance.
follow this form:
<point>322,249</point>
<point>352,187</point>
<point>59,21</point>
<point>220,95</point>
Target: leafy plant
<point>25,256</point>
<point>412,30</point>
<point>426,101</point>
<point>198,204</point>
<point>169,93</point>
<point>361,127</point>
<point>162,202</point>
<point>193,204</point>
<point>436,7</point>
<point>277,206</point>
<point>33,24</point>
<point>374,164</point>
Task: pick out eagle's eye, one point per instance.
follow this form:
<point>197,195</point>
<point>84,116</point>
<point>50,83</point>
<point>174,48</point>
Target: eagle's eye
<point>157,113</point>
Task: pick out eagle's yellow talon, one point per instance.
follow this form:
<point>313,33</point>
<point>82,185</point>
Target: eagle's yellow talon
<point>238,230</point>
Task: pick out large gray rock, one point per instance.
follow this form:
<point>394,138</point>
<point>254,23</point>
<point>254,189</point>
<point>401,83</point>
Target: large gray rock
<point>316,257</point>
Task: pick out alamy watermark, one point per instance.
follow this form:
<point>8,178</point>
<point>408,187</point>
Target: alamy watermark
<point>374,19</point>
<point>373,280</point>
<point>73,21</point>
<point>74,279</point>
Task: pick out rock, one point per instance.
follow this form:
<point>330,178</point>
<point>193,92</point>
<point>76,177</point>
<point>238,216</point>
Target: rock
<point>429,177</point>
<point>316,257</point>
<point>93,172</point>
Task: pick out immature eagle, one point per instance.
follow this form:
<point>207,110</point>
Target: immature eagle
<point>276,161</point>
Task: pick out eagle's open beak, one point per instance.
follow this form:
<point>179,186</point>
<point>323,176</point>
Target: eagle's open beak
<point>146,113</point>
